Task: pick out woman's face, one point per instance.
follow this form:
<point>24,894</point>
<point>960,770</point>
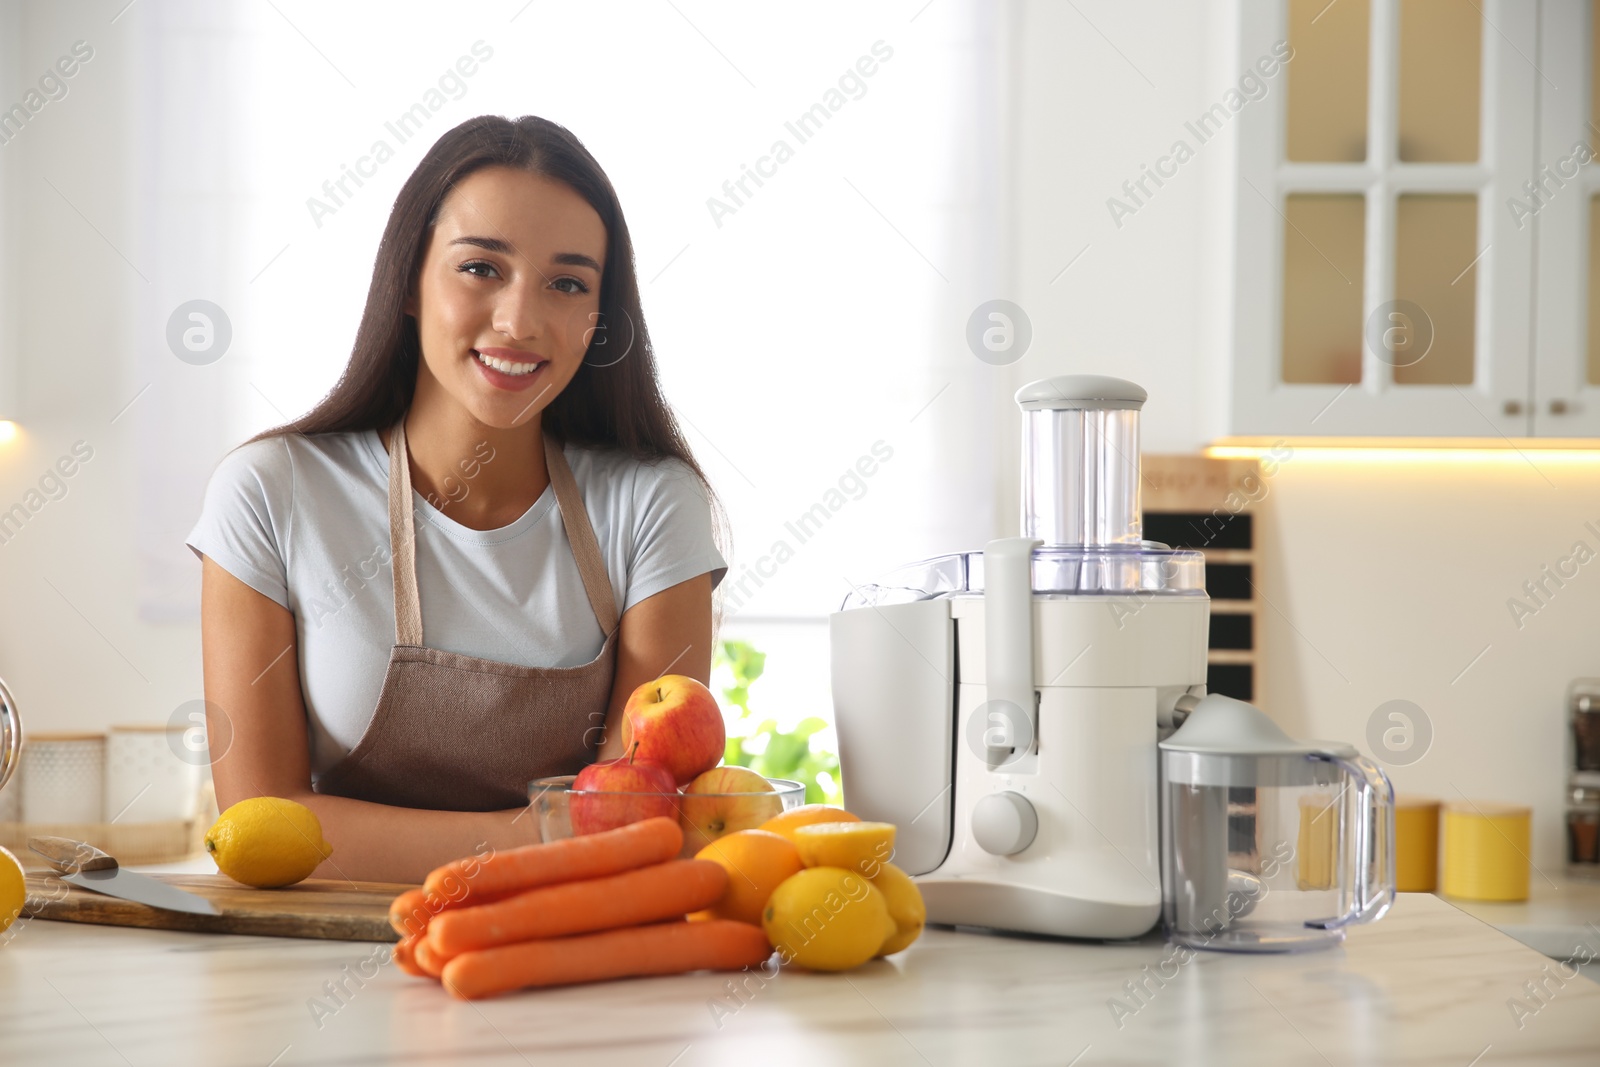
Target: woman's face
<point>509,294</point>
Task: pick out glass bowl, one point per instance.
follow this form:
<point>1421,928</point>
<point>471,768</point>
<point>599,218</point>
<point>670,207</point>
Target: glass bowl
<point>703,816</point>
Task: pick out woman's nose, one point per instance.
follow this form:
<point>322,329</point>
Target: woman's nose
<point>519,313</point>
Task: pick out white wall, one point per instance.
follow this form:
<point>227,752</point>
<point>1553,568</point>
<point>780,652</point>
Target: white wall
<point>1392,579</point>
<point>72,647</point>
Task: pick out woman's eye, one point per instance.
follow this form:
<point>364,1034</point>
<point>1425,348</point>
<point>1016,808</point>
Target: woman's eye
<point>578,288</point>
<point>466,268</point>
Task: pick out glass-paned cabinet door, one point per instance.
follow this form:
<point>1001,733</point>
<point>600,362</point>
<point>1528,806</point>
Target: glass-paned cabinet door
<point>1382,285</point>
<point>1433,234</point>
<point>1563,201</point>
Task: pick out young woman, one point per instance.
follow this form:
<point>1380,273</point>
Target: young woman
<point>446,579</point>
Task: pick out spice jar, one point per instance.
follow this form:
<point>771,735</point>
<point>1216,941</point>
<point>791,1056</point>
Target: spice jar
<point>1585,731</point>
<point>1583,830</point>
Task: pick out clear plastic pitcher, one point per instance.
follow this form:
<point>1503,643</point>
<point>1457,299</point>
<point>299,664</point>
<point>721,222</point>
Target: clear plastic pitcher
<point>10,736</point>
<point>1269,844</point>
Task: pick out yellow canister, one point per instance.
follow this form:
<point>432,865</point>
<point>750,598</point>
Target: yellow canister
<point>1486,850</point>
<point>1416,844</point>
<point>1317,850</point>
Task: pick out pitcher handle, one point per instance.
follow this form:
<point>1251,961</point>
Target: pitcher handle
<point>1373,892</point>
<point>10,735</point>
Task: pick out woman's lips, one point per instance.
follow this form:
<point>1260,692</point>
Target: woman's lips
<point>509,380</point>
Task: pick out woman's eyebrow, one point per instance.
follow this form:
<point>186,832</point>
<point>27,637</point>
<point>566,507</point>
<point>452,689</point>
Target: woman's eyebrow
<point>491,244</point>
<point>576,259</point>
<point>495,244</point>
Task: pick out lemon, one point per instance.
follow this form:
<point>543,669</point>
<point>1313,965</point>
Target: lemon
<point>855,846</point>
<point>13,889</point>
<point>827,919</point>
<point>267,842</point>
<point>905,907</point>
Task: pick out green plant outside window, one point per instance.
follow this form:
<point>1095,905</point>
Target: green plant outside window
<point>760,745</point>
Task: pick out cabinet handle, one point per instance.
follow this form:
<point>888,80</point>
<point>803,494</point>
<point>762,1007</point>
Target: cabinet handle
<point>1513,407</point>
<point>1558,407</point>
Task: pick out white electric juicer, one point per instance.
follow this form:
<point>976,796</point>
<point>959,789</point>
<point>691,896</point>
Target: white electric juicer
<point>1002,708</point>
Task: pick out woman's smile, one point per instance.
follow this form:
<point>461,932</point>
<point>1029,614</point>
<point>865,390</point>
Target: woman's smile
<point>510,368</point>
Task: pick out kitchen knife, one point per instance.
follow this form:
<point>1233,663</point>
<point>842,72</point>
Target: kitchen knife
<point>84,865</point>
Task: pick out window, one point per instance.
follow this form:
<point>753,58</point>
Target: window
<point>807,305</point>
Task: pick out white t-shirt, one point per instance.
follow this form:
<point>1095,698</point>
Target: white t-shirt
<point>305,520</point>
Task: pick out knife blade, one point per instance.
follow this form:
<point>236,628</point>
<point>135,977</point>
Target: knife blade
<point>84,865</point>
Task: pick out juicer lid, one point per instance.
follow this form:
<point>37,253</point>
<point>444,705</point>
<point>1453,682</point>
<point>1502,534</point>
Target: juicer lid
<point>1144,570</point>
<point>1223,726</point>
<point>1079,391</point>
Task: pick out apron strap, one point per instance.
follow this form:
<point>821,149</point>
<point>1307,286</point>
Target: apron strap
<point>574,519</point>
<point>580,535</point>
<point>403,541</point>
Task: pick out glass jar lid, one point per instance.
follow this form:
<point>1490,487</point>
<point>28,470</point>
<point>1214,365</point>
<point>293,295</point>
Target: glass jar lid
<point>1584,798</point>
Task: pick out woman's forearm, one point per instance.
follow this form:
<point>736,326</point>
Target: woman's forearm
<point>378,843</point>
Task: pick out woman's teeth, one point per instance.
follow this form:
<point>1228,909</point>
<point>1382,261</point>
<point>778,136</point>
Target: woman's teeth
<point>506,366</point>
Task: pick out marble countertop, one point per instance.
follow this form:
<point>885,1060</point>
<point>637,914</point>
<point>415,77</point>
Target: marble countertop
<point>1428,984</point>
<point>1560,916</point>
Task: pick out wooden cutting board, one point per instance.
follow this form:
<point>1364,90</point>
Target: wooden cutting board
<point>324,908</point>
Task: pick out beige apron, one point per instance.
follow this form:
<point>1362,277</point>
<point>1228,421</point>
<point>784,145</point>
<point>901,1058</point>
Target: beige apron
<point>458,733</point>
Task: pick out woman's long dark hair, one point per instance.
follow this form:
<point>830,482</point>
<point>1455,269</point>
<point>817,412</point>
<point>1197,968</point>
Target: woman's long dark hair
<point>609,403</point>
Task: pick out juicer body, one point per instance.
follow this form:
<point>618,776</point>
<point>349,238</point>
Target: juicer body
<point>1002,708</point>
<point>912,707</point>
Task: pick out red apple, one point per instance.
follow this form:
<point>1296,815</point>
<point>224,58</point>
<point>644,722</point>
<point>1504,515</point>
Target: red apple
<point>616,792</point>
<point>677,725</point>
<point>722,800</point>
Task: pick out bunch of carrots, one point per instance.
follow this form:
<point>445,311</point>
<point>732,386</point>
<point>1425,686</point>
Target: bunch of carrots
<point>584,909</point>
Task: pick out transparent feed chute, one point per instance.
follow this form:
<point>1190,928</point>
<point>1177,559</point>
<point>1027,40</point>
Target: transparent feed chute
<point>1080,497</point>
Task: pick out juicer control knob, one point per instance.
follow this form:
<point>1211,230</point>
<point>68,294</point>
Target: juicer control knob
<point>1004,823</point>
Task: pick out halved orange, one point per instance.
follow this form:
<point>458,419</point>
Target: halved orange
<point>806,815</point>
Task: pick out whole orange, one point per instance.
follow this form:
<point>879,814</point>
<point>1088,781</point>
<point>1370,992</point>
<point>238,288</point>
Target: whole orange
<point>756,862</point>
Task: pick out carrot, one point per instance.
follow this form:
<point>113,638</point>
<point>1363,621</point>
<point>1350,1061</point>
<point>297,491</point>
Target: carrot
<point>648,894</point>
<point>404,955</point>
<point>428,962</point>
<point>410,911</point>
<point>662,948</point>
<point>570,859</point>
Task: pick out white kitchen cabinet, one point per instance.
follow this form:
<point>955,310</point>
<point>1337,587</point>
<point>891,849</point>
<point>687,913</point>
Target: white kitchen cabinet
<point>1566,351</point>
<point>1399,173</point>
